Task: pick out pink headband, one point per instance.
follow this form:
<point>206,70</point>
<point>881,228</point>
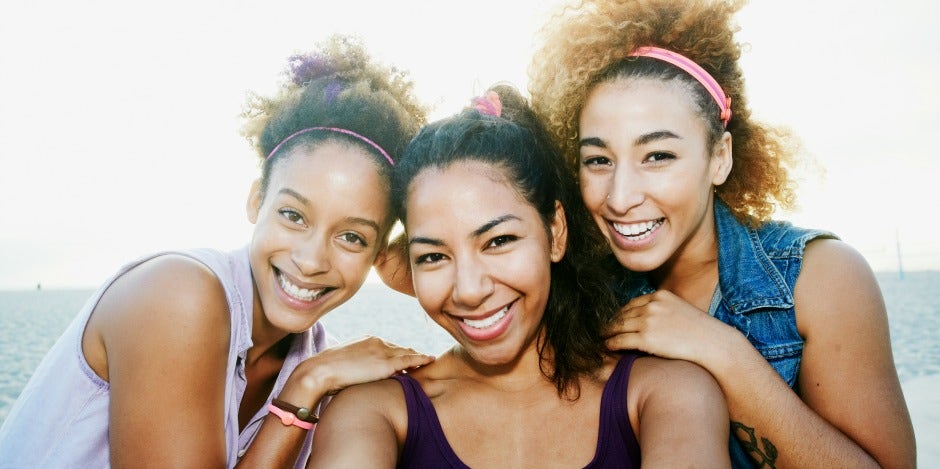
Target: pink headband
<point>337,130</point>
<point>697,72</point>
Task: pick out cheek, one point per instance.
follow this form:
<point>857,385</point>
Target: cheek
<point>593,189</point>
<point>355,266</point>
<point>431,289</point>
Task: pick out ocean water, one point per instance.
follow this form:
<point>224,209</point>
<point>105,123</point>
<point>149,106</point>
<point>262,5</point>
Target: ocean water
<point>31,321</point>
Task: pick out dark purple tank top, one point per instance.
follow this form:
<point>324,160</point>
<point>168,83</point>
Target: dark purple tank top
<point>427,447</point>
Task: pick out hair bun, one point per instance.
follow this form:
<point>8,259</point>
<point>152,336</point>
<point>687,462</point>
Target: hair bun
<point>342,57</point>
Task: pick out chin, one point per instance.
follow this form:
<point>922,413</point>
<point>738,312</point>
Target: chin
<point>637,263</point>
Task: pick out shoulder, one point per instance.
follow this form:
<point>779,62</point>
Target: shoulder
<point>173,297</point>
<point>378,403</point>
<point>171,280</point>
<point>835,284</point>
<point>664,394</point>
<point>831,266</point>
<point>781,238</point>
<point>677,379</point>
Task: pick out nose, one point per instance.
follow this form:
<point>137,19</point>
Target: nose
<point>626,190</point>
<point>472,283</point>
<point>312,256</point>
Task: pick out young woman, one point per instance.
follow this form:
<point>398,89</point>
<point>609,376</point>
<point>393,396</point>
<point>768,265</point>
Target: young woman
<point>502,263</point>
<point>647,100</point>
<point>210,359</point>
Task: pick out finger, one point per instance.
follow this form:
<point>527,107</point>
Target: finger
<point>626,341</point>
<point>405,362</point>
<point>623,325</point>
<point>639,301</point>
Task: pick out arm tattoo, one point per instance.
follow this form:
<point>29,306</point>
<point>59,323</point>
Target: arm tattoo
<point>764,458</point>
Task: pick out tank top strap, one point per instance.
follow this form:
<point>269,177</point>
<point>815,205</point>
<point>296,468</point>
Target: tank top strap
<point>616,443</point>
<point>425,443</point>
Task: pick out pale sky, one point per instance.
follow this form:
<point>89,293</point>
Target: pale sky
<point>119,123</point>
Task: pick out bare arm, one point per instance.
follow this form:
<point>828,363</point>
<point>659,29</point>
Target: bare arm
<point>847,361</point>
<point>852,412</point>
<point>846,366</point>
<point>363,427</point>
<point>160,336</point>
<point>361,361</point>
<point>681,419</point>
<point>165,356</point>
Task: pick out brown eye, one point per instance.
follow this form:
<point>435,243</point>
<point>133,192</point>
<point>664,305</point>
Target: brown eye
<point>292,215</point>
<point>596,161</point>
<point>659,156</point>
<point>354,239</point>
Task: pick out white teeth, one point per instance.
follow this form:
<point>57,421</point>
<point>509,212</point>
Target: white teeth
<point>637,231</point>
<point>299,293</point>
<point>486,322</point>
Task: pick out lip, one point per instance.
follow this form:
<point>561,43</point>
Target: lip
<point>631,243</point>
<point>491,332</point>
<point>293,301</point>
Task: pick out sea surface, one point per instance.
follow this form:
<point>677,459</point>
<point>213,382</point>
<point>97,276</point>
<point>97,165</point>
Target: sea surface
<point>31,321</point>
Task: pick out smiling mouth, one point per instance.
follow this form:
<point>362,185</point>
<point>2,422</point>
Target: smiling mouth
<point>487,321</point>
<point>637,231</point>
<point>301,294</point>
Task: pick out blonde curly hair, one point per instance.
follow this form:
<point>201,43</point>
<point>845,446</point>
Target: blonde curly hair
<point>588,43</point>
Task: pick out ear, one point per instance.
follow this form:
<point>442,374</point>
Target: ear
<point>254,201</point>
<point>721,160</point>
<point>559,232</point>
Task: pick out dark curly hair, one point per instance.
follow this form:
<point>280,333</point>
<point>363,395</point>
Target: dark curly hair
<point>588,43</point>
<point>337,85</point>
<point>580,301</point>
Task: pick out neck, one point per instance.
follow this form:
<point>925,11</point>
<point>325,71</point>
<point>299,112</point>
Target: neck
<point>266,340</point>
<point>519,375</point>
<point>692,272</point>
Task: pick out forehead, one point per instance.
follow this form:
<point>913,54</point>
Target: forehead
<point>336,174</point>
<point>330,160</point>
<point>467,191</point>
<point>639,103</point>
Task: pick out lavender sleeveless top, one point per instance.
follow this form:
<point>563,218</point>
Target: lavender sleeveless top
<point>61,417</point>
<point>427,447</point>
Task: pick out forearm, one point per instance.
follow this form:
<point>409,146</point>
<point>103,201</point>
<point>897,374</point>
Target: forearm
<point>278,444</point>
<point>775,426</point>
<point>275,445</point>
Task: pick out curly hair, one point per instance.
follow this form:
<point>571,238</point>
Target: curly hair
<point>588,43</point>
<point>337,85</point>
<point>580,300</point>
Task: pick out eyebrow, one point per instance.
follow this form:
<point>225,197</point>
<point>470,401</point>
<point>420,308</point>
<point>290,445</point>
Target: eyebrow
<point>593,142</point>
<point>366,222</point>
<point>641,140</point>
<point>295,195</point>
<point>475,234</point>
<point>357,220</point>
<point>654,136</point>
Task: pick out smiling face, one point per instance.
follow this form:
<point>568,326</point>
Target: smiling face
<point>481,259</point>
<point>318,229</point>
<point>647,173</point>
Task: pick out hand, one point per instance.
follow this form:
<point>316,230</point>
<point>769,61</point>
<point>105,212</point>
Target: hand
<point>665,325</point>
<point>393,266</point>
<point>360,361</point>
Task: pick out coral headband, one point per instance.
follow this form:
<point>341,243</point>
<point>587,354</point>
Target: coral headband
<point>337,130</point>
<point>697,72</point>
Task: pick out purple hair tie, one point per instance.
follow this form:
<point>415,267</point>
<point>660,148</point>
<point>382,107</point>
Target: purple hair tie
<point>337,130</point>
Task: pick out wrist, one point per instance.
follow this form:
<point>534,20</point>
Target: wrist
<point>307,385</point>
<point>732,353</point>
<point>291,415</point>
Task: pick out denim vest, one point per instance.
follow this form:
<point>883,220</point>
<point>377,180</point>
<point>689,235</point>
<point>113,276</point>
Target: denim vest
<point>757,270</point>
